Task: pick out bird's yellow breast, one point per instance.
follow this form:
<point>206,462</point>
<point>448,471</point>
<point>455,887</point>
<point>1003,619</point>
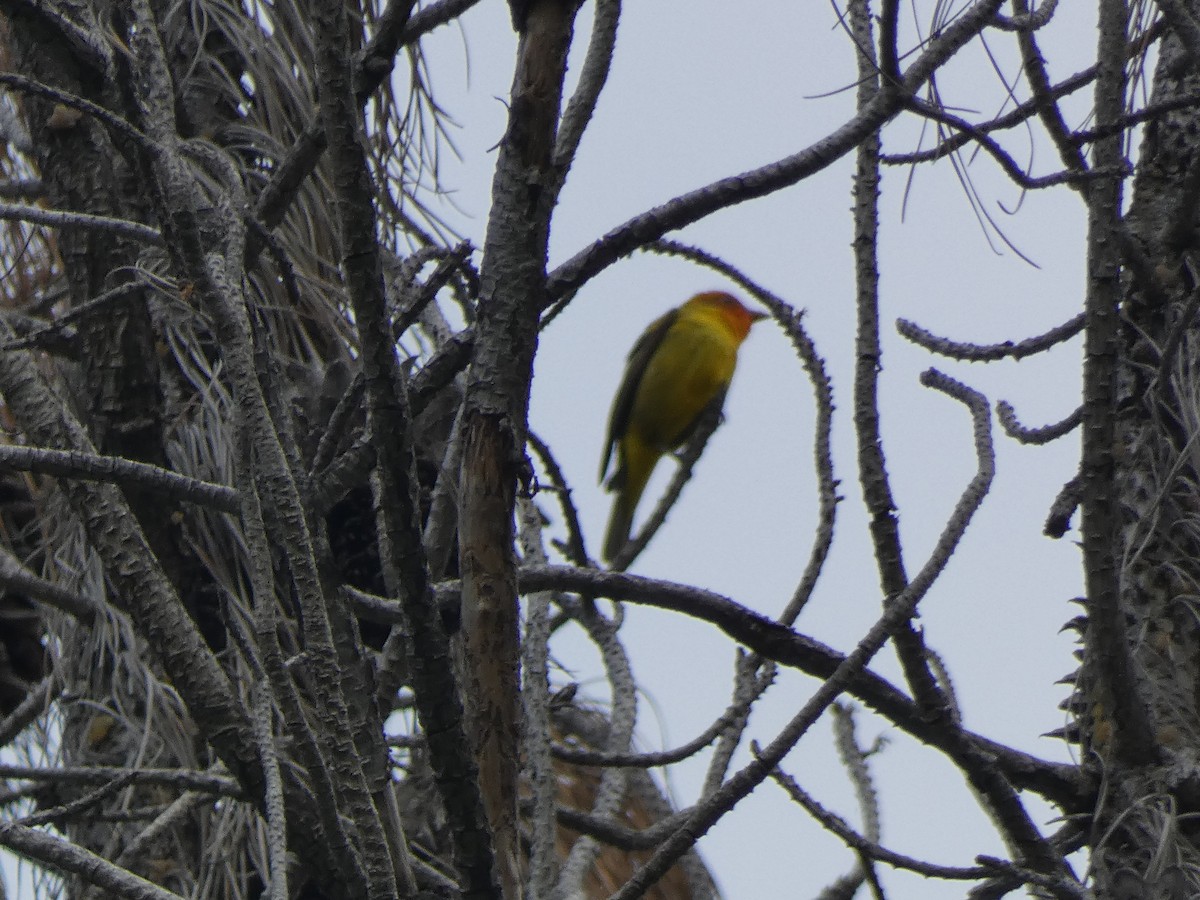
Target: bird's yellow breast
<point>692,366</point>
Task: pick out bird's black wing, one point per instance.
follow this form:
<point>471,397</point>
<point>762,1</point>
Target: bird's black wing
<point>635,367</point>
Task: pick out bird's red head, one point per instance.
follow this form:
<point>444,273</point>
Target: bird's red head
<point>736,316</point>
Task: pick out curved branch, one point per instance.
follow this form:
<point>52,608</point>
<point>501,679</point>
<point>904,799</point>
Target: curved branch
<point>1018,115</point>
<point>998,153</point>
<point>838,826</point>
<point>1014,429</point>
<point>113,122</point>
<point>989,352</point>
<point>582,756</point>
<point>791,321</point>
<point>1058,520</point>
<point>1025,20</point>
<point>994,787</point>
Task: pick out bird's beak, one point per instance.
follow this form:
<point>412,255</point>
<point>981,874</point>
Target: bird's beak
<point>756,316</point>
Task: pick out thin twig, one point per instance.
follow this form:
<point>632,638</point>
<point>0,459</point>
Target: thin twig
<point>60,814</point>
<point>576,552</point>
<point>836,825</point>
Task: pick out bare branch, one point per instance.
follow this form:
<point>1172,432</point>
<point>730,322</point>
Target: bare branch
<point>1026,20</point>
<point>989,352</point>
<point>1021,113</point>
<point>93,467</point>
<point>181,779</point>
<point>1046,103</point>
<point>1058,520</point>
<point>36,702</point>
<point>59,332</point>
<point>118,126</point>
<point>426,19</point>
<point>873,477</point>
<point>575,550</point>
<point>1010,166</point>
<point>1044,435</point>
<point>580,108</point>
<point>897,613</point>
<point>866,846</point>
<point>586,757</point>
<point>62,218</point>
<point>17,577</point>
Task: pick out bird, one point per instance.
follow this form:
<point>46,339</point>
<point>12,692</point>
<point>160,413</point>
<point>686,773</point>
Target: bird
<point>678,370</point>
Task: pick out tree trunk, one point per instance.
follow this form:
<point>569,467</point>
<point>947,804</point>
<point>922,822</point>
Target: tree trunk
<point>1142,731</point>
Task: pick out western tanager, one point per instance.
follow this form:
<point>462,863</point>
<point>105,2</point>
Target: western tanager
<point>678,369</point>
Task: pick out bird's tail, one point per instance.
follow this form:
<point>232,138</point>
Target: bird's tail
<point>637,461</point>
<point>619,525</point>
